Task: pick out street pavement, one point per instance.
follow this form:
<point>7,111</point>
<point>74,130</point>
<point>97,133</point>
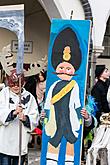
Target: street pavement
<point>34,150</point>
<point>34,156</point>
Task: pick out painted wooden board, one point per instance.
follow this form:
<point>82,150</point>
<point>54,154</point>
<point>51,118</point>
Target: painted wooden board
<point>65,90</point>
<point>12,18</point>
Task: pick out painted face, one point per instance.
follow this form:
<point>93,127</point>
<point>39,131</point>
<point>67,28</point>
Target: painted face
<point>13,82</point>
<point>13,79</point>
<point>65,71</point>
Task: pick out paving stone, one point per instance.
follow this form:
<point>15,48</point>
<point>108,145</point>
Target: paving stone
<point>34,156</point>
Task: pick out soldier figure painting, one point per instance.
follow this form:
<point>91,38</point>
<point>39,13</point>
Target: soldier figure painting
<point>65,95</point>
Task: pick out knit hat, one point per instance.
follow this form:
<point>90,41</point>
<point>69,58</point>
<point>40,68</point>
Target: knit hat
<point>99,70</point>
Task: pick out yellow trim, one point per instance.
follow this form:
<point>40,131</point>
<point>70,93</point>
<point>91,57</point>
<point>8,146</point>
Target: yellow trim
<point>45,120</point>
<point>80,121</point>
<point>67,55</point>
<point>63,92</point>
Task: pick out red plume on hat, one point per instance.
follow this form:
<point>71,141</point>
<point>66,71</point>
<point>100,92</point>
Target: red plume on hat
<point>14,79</point>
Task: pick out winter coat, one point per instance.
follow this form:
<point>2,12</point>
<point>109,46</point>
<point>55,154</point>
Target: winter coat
<point>99,92</point>
<point>9,130</point>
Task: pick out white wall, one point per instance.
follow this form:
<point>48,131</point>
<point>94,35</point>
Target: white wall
<point>63,8</point>
<point>101,12</point>
<point>67,6</point>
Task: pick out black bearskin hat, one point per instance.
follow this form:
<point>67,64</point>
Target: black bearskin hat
<point>66,48</point>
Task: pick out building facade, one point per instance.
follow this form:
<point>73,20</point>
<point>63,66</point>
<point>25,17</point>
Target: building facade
<point>38,15</point>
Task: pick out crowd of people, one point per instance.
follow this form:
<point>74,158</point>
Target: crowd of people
<point>26,105</point>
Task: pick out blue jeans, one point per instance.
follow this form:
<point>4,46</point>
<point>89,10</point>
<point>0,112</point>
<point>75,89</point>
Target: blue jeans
<point>10,160</point>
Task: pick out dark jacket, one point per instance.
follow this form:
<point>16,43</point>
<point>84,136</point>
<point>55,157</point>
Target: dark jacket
<point>31,85</point>
<point>99,92</point>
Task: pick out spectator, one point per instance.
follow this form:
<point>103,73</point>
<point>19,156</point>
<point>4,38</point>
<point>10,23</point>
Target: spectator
<point>108,96</point>
<point>99,90</point>
<point>36,85</point>
<point>10,114</point>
